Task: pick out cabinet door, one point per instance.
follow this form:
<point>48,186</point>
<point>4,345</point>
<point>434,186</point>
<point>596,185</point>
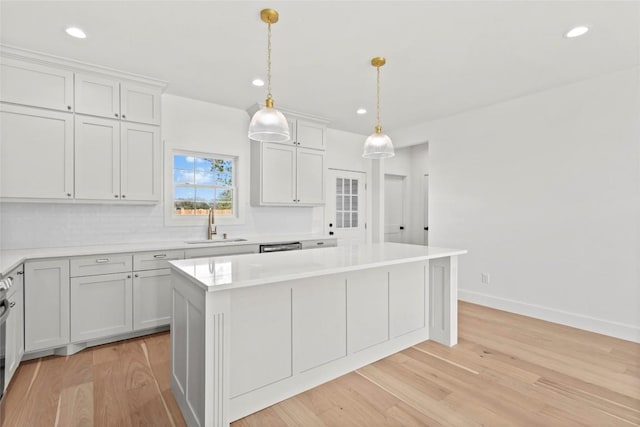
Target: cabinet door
<point>36,154</point>
<point>310,176</point>
<point>97,96</point>
<point>14,335</point>
<point>407,298</point>
<point>151,298</point>
<point>97,149</point>
<point>36,85</point>
<point>278,174</point>
<point>140,162</point>
<point>140,104</point>
<point>310,135</point>
<point>100,306</point>
<point>46,304</point>
<point>319,321</point>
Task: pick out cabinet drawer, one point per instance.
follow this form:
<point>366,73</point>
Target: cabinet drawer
<point>320,243</point>
<point>101,264</point>
<point>227,250</point>
<point>155,260</point>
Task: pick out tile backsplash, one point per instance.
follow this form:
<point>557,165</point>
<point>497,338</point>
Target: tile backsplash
<point>33,225</point>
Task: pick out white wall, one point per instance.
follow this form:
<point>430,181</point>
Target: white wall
<point>544,192</point>
<point>186,124</point>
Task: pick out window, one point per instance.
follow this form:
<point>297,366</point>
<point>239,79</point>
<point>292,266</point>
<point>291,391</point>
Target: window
<point>203,182</point>
<point>346,203</point>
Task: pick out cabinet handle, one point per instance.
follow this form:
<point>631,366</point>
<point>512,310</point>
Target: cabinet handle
<point>160,256</point>
<point>12,304</point>
<point>68,107</point>
<point>124,117</point>
<point>20,273</point>
<point>116,114</point>
<point>123,196</point>
<point>116,196</point>
<point>128,276</point>
<point>68,194</point>
<point>102,260</point>
<point>135,275</point>
<point>298,143</point>
<point>319,243</point>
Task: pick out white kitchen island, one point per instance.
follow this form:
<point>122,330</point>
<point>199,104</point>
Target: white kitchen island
<point>249,331</point>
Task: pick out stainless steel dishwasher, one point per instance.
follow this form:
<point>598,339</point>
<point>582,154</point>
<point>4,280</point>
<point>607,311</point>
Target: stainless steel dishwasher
<point>281,247</point>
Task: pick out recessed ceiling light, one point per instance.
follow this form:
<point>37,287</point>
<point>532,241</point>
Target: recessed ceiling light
<point>576,32</point>
<point>76,32</point>
<point>361,111</point>
<point>258,82</point>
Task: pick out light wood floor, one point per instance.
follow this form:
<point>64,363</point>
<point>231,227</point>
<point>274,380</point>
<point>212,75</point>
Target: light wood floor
<point>507,370</point>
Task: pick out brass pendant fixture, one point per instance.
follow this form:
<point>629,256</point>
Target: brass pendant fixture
<point>378,145</point>
<point>269,124</point>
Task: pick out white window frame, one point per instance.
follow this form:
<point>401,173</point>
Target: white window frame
<point>171,219</point>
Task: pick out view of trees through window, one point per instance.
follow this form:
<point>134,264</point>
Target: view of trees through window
<point>202,183</point>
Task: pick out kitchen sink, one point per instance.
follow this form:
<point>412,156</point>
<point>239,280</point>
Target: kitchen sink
<point>205,241</point>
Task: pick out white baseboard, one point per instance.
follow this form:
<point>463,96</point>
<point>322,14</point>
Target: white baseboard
<point>600,326</point>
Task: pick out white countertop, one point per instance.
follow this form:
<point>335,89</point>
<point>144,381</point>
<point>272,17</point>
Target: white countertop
<point>9,259</point>
<point>237,271</point>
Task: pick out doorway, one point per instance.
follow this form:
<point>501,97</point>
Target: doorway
<point>425,190</point>
<point>346,206</point>
<point>394,208</point>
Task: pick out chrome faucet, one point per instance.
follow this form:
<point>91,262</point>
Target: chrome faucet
<point>213,230</point>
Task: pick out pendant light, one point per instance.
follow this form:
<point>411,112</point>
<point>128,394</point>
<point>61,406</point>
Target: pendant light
<point>378,145</point>
<point>269,124</point>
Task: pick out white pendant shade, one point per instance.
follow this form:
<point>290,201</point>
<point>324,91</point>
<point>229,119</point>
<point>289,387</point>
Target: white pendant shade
<point>378,146</point>
<point>269,125</point>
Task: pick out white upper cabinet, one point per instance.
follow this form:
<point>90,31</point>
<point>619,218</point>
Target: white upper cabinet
<point>286,175</point>
<point>115,99</point>
<point>77,132</point>
<point>290,173</point>
<point>310,176</point>
<point>36,85</point>
<point>278,174</point>
<point>139,104</point>
<point>36,154</point>
<point>97,96</point>
<point>97,155</point>
<point>140,162</point>
<point>310,134</point>
<point>117,160</point>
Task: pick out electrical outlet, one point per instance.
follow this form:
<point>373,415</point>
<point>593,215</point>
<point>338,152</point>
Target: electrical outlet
<point>486,278</point>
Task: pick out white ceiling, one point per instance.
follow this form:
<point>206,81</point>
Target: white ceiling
<point>443,57</point>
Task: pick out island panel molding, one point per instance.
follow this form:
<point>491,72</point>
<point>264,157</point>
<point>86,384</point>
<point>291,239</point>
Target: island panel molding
<point>309,311</point>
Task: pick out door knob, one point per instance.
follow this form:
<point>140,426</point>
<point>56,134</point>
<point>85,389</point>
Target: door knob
<point>331,233</point>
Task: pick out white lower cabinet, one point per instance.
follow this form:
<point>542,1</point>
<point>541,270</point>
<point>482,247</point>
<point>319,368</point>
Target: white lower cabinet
<point>46,304</point>
<point>151,298</point>
<point>14,349</point>
<point>101,306</point>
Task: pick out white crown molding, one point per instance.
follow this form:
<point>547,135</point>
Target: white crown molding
<point>73,65</point>
<point>288,112</point>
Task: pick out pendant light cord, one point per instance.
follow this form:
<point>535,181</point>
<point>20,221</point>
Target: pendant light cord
<point>269,62</point>
<point>378,99</point>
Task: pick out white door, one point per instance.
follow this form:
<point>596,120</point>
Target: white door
<point>394,215</point>
<point>346,206</point>
<point>425,189</point>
